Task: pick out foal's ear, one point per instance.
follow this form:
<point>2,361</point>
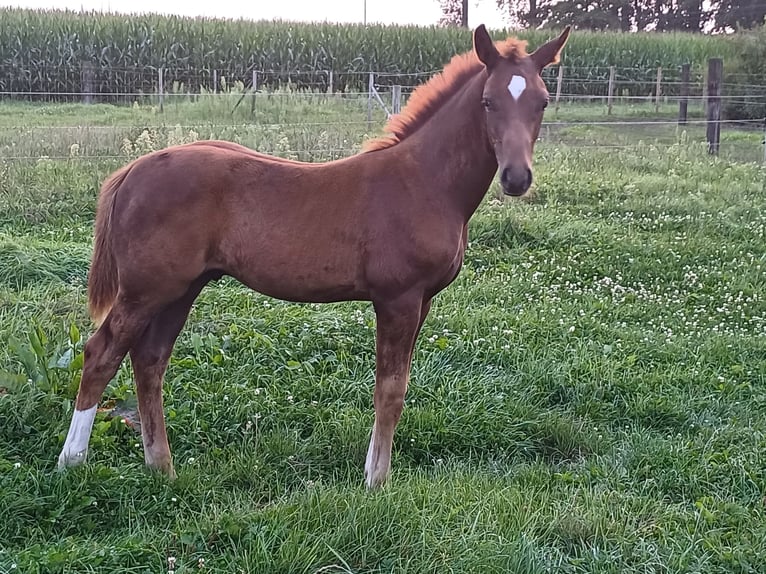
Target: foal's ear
<point>549,52</point>
<point>485,47</point>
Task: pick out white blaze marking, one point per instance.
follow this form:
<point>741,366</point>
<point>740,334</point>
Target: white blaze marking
<point>76,444</point>
<point>517,86</point>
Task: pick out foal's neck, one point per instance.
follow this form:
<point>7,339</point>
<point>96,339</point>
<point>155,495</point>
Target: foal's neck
<point>454,152</point>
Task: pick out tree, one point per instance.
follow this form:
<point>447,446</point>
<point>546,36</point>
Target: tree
<point>736,14</point>
<point>454,13</point>
<point>588,14</point>
<point>624,15</point>
<point>522,12</point>
<point>683,15</point>
<point>628,15</point>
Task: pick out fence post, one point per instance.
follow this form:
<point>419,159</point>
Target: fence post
<point>658,90</point>
<point>254,88</point>
<point>683,102</point>
<point>215,81</point>
<point>558,87</point>
<point>764,141</point>
<point>715,73</point>
<point>396,99</point>
<point>370,88</point>
<point>703,100</point>
<point>86,77</point>
<point>161,87</point>
<point>610,93</point>
<point>330,86</point>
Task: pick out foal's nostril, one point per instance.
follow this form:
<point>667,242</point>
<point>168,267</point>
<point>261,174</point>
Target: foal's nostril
<point>528,183</point>
<point>505,176</point>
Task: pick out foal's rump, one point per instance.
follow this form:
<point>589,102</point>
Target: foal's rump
<point>173,215</point>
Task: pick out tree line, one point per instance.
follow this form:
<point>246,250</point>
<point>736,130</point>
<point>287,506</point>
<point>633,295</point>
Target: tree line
<point>621,15</point>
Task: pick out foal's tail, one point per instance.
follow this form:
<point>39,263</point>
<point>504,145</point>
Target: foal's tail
<point>102,280</point>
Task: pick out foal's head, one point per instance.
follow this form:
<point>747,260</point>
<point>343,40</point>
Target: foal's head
<point>514,98</point>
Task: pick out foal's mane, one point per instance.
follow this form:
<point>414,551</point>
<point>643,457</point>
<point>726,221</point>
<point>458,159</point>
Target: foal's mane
<point>427,98</point>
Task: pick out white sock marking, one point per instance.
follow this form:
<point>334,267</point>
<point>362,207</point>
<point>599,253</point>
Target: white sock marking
<point>517,86</point>
<point>76,444</point>
<point>369,462</point>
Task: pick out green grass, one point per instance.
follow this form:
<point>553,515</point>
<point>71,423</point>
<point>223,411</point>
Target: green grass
<point>587,397</point>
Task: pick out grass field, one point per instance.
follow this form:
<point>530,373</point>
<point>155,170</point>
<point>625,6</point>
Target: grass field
<point>588,397</point>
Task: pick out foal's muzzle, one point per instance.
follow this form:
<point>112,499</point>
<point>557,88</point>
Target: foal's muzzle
<point>516,181</point>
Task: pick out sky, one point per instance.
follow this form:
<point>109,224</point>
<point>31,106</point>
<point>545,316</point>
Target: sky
<point>421,12</point>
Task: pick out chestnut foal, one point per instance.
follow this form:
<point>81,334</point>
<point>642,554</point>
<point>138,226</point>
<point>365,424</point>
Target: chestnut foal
<point>387,225</point>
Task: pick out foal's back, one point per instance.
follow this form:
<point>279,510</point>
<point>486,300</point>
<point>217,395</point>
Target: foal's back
<point>288,229</point>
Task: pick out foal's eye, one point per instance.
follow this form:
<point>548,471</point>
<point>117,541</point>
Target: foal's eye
<point>486,103</point>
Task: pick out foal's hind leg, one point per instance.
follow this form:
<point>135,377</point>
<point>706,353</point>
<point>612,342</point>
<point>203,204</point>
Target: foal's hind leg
<point>149,356</point>
<point>103,353</point>
<point>398,325</point>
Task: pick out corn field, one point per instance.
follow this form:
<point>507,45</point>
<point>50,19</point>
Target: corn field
<point>51,51</point>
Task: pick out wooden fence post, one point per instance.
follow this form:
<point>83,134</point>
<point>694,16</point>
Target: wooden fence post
<point>764,141</point>
<point>330,86</point>
<point>658,90</point>
<point>558,87</point>
<point>683,102</point>
<point>215,81</point>
<point>86,77</point>
<point>703,100</point>
<point>370,88</point>
<point>715,73</point>
<point>161,88</point>
<point>396,99</point>
<point>610,93</point>
<point>254,89</point>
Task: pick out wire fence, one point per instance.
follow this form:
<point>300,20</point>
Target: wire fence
<point>277,112</point>
<point>57,82</point>
<point>113,85</point>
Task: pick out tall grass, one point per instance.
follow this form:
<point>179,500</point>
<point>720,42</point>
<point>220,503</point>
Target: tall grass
<point>45,50</point>
<point>588,396</point>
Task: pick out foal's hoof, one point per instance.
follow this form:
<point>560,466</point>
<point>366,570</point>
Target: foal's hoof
<point>166,469</point>
<point>375,480</point>
<point>70,458</point>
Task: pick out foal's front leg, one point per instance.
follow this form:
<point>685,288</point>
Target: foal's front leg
<point>398,324</point>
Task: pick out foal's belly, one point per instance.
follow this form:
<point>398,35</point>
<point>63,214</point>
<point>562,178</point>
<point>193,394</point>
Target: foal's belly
<point>301,286</point>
